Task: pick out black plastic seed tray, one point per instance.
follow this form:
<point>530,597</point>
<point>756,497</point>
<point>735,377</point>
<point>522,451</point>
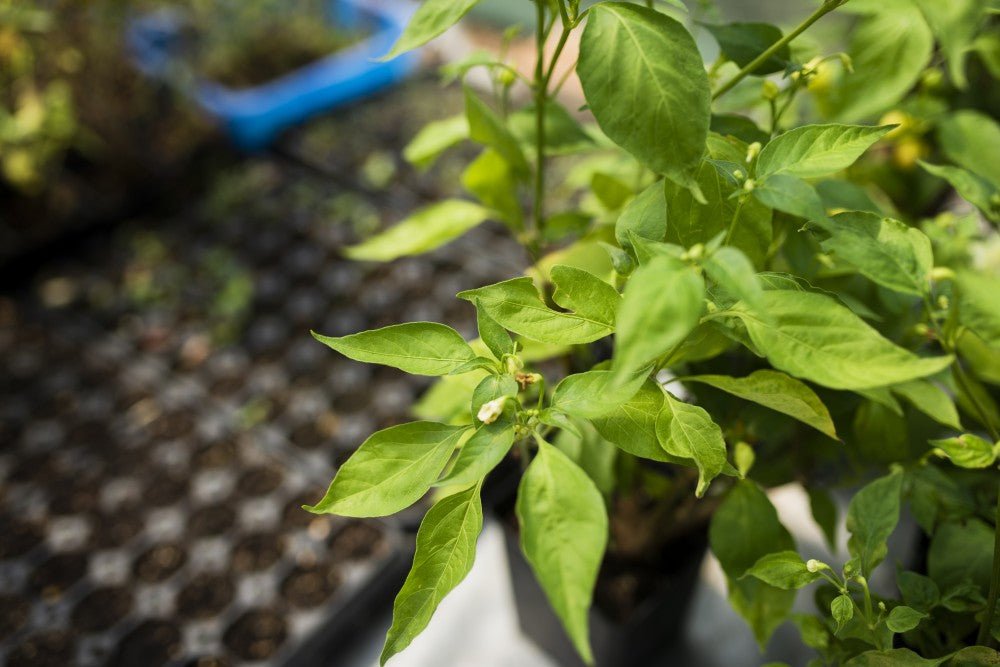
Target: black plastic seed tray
<point>161,532</point>
<point>157,446</point>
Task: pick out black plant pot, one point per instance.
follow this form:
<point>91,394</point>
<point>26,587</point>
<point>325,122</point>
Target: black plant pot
<point>648,631</point>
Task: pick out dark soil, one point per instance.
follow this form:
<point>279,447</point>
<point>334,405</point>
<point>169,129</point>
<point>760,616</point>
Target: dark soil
<point>310,586</point>
<point>19,537</point>
<point>47,649</point>
<point>355,541</point>
<point>151,644</point>
<point>13,614</point>
<point>257,552</point>
<point>209,521</point>
<point>112,530</point>
<point>205,596</point>
<point>256,635</point>
<point>101,609</point>
<point>260,481</point>
<point>159,563</point>
<point>54,576</point>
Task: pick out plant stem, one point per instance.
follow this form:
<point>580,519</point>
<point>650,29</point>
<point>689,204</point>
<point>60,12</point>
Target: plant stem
<point>736,217</point>
<point>985,629</point>
<point>541,93</point>
<point>754,64</point>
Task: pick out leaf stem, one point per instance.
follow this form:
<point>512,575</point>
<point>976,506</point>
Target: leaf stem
<point>827,7</point>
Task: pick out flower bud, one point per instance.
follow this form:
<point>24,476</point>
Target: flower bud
<point>814,565</point>
<point>939,273</point>
<point>749,185</point>
<point>943,302</point>
<point>769,90</point>
<point>491,410</point>
<point>505,77</point>
<point>753,150</point>
<point>513,364</point>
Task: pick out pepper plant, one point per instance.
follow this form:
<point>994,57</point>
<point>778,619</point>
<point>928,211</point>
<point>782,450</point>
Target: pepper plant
<point>775,317</point>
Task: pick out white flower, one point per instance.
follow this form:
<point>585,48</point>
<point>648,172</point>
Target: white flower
<point>491,411</point>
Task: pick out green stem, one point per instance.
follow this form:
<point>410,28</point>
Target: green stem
<point>538,212</point>
<point>754,64</point>
<point>736,217</point>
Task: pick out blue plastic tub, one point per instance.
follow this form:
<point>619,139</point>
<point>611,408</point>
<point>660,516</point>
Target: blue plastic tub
<point>253,117</point>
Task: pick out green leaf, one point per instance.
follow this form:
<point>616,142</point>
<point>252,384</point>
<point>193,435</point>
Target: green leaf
<point>645,216</point>
<point>904,619</point>
<point>743,458</point>
<point>842,610</point>
<point>897,657</point>
<point>783,569</point>
<point>596,456</point>
<point>970,139</point>
<point>563,134</point>
<point>494,336</point>
<point>813,151</point>
<point>430,20</point>
<point>740,127</point>
<point>564,531</point>
<point>688,432</point>
<point>918,591</point>
<point>731,270</point>
<point>974,189</point>
<point>391,470</point>
<point>596,393</point>
<point>646,85</point>
<point>419,348</point>
<point>743,42</point>
<point>960,552</point>
<point>425,230</point>
<point>777,391</point>
<point>516,306</point>
<point>446,549</point>
<point>585,293</point>
<point>955,24</point>
<point>611,192</point>
<point>889,51</point>
<point>931,400</point>
<point>976,656</point>
<point>490,179</point>
<point>824,512</point>
<point>487,128</point>
<point>691,222</point>
<point>490,388</point>
<point>480,454</point>
<point>744,529</point>
<point>811,336</point>
<point>631,426</point>
<point>661,305</point>
<point>884,250</point>
<point>968,451</point>
<point>435,138</point>
<point>977,305</point>
<point>871,517</point>
<point>790,195</point>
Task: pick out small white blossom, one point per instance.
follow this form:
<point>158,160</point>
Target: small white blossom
<point>491,411</point>
<point>814,565</point>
